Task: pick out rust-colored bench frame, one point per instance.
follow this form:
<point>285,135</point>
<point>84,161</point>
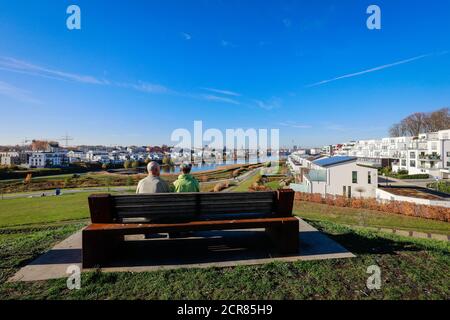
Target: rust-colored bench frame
<point>102,237</point>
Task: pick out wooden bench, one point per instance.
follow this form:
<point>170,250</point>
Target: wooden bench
<point>113,217</point>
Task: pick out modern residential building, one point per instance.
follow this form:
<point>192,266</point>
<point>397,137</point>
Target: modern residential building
<point>76,156</point>
<point>428,153</point>
<point>11,158</point>
<point>48,159</point>
<point>338,175</point>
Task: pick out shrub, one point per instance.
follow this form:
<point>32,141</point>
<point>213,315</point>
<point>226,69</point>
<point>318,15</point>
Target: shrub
<point>220,186</point>
<point>397,207</point>
<point>414,176</point>
<point>135,164</point>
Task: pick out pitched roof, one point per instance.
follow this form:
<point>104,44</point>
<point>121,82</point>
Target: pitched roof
<point>332,161</point>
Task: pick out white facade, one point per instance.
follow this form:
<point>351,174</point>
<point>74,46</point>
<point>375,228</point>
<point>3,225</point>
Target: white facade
<point>76,156</point>
<point>428,153</point>
<point>9,158</point>
<point>342,176</point>
<point>383,195</point>
<point>347,179</point>
<point>48,159</point>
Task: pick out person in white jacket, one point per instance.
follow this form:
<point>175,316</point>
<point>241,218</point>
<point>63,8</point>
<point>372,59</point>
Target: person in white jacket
<point>153,183</point>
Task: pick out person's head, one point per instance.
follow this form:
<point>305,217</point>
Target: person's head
<point>153,169</point>
<point>186,168</point>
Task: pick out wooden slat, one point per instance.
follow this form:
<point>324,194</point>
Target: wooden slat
<point>155,206</point>
<point>175,197</point>
<point>130,228</point>
<point>181,206</point>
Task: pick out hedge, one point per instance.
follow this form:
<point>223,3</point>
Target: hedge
<point>413,176</point>
<point>397,207</point>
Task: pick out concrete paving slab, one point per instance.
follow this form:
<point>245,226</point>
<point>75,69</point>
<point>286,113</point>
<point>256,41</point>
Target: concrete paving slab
<point>201,250</point>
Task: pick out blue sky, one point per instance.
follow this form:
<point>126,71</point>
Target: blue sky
<point>137,70</point>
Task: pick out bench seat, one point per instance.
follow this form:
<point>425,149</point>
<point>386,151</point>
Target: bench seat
<point>106,233</point>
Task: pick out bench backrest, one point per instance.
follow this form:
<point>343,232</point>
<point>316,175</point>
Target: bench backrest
<point>106,208</point>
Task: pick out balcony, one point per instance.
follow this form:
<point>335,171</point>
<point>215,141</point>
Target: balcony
<point>317,175</point>
<point>428,166</point>
<point>418,146</point>
<point>430,157</point>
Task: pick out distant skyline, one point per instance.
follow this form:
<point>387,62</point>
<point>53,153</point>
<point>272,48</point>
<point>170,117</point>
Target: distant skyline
<point>138,70</point>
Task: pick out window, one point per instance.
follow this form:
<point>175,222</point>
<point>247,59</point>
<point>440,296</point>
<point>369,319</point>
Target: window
<point>354,176</point>
<point>344,191</point>
<point>349,191</point>
<point>412,163</point>
<point>369,177</point>
<point>448,154</point>
<point>412,154</point>
<point>404,163</point>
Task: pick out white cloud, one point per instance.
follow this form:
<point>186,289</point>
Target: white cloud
<point>186,36</point>
<point>287,22</point>
<point>273,103</point>
<point>19,66</point>
<point>295,125</point>
<point>224,92</point>
<point>225,43</point>
<point>355,74</point>
<point>146,87</point>
<point>15,93</point>
<point>210,97</point>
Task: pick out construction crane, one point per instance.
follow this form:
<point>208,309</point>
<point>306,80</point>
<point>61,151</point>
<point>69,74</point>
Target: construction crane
<point>25,141</point>
<point>66,139</point>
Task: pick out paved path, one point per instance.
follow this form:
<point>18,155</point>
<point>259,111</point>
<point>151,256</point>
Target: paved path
<point>33,194</point>
<point>206,249</point>
<point>64,191</point>
<point>408,233</point>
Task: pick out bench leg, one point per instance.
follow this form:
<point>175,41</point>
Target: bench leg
<point>285,236</point>
<point>99,247</point>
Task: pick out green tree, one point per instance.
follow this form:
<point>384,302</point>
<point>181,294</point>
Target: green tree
<point>135,164</point>
<point>166,160</point>
<point>127,164</point>
<point>108,182</point>
<point>130,181</point>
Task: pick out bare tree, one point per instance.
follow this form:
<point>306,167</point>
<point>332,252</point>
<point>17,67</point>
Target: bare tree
<point>415,123</point>
<point>438,120</point>
<point>397,130</point>
<point>421,122</point>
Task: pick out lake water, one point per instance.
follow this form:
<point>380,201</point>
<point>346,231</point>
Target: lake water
<point>196,167</point>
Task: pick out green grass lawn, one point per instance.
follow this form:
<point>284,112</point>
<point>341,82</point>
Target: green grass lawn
<point>247,183</point>
<point>19,245</point>
<point>411,269</point>
<point>24,211</point>
<point>368,218</point>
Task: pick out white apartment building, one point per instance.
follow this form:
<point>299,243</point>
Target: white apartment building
<point>338,175</point>
<point>14,158</point>
<point>343,176</point>
<point>76,156</point>
<point>9,158</point>
<point>48,159</point>
<point>94,156</point>
<point>427,153</point>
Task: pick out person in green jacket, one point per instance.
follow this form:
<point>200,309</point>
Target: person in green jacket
<point>186,182</point>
